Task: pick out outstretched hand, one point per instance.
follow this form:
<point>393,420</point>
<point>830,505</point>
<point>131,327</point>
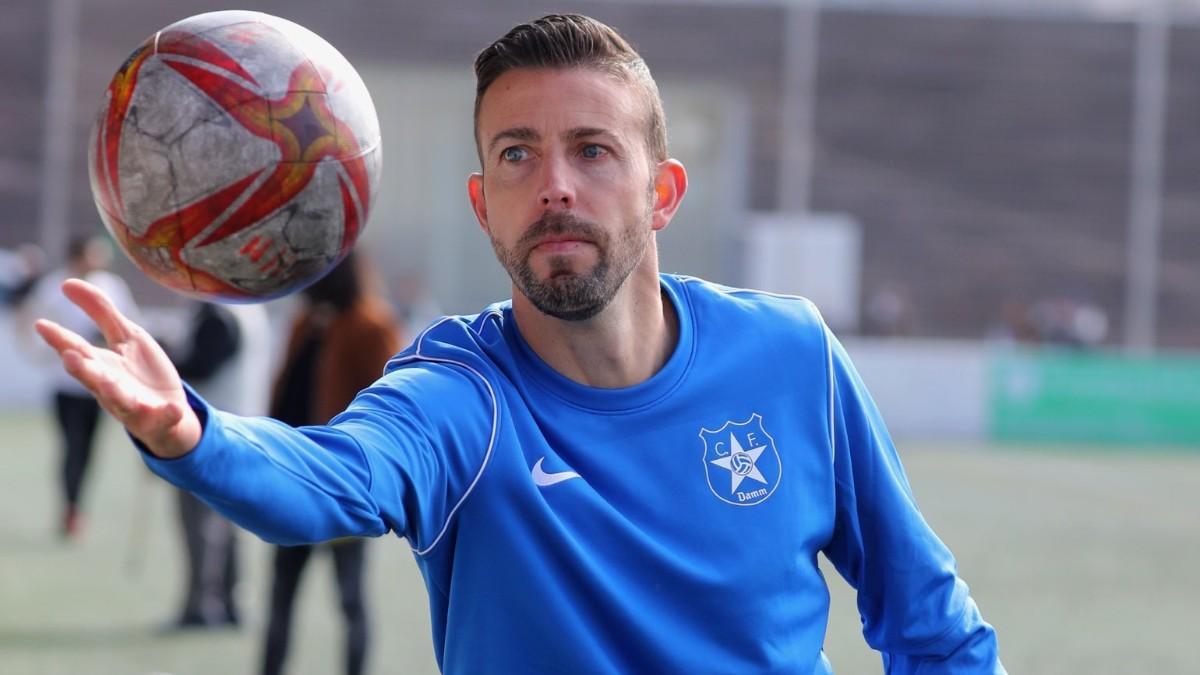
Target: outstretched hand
<point>133,379</point>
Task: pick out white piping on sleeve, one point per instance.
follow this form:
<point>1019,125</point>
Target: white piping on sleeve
<point>417,356</point>
<point>486,457</point>
<point>832,384</point>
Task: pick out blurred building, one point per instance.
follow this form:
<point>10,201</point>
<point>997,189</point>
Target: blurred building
<point>982,149</point>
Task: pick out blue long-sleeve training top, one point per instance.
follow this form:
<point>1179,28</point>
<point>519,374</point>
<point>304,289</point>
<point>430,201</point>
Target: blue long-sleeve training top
<point>668,527</point>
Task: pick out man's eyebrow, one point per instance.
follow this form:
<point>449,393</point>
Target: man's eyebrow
<point>515,134</point>
<point>580,133</point>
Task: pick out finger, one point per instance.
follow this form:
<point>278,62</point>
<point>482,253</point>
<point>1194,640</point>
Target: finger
<point>61,339</point>
<point>98,380</point>
<point>112,324</point>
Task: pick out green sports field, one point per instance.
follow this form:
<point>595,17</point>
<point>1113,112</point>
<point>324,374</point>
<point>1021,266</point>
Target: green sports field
<point>1086,561</point>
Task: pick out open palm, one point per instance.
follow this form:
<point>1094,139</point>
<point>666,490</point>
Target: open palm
<point>132,377</point>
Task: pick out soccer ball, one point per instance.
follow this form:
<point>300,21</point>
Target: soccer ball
<point>235,156</point>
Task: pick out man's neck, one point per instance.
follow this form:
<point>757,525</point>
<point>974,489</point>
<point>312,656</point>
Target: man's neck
<point>623,345</point>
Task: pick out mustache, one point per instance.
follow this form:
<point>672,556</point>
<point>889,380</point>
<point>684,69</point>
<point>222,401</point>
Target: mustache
<point>560,224</point>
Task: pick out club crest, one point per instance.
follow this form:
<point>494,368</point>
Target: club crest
<point>740,462</point>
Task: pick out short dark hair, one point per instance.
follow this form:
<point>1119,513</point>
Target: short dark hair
<point>572,41</point>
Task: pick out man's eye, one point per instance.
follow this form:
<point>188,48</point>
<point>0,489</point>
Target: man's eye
<point>513,154</point>
<point>593,151</point>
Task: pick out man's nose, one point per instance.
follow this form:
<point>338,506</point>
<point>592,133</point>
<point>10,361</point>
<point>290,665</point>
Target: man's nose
<point>557,191</point>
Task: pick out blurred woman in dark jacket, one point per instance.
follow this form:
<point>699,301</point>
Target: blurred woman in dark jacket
<point>339,343</point>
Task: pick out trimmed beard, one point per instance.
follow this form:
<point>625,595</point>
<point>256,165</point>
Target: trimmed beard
<point>568,295</point>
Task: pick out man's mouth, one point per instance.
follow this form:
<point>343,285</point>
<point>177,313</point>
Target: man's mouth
<point>561,243</point>
<point>559,234</point>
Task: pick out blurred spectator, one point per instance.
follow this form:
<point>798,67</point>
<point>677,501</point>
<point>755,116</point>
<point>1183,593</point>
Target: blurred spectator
<point>19,273</point>
<point>227,359</point>
<point>1069,322</point>
<point>1016,324</point>
<point>1060,321</point>
<point>75,410</point>
<point>339,343</point>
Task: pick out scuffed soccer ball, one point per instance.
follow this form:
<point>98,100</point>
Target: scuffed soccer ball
<point>235,157</point>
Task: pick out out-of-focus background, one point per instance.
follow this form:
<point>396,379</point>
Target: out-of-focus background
<point>995,203</point>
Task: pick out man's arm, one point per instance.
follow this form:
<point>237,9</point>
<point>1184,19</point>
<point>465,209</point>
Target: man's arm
<point>915,609</point>
<point>287,486</point>
<point>401,457</point>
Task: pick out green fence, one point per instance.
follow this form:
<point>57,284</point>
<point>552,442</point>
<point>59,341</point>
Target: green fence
<point>1051,395</point>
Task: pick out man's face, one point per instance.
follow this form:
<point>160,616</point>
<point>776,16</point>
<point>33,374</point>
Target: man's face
<point>566,193</point>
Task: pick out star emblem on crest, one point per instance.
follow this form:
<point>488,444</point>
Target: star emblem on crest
<point>741,463</point>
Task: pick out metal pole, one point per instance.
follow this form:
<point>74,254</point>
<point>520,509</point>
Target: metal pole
<point>58,132</point>
<point>798,103</point>
<point>1145,199</point>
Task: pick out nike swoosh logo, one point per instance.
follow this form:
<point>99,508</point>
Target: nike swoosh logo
<point>543,479</point>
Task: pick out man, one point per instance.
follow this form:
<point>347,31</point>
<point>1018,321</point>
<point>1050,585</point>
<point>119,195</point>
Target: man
<point>618,471</point>
<point>227,358</point>
<point>75,410</point>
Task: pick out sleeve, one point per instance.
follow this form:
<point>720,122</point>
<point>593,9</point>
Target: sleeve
<point>915,610</point>
<point>396,460</point>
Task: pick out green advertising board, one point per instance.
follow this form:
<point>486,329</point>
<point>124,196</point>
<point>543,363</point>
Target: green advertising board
<point>1094,397</point>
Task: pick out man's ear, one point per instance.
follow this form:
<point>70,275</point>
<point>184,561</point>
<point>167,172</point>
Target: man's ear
<point>478,201</point>
<point>670,184</point>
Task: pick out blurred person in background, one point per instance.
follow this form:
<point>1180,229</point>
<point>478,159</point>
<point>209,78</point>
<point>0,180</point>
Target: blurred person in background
<point>19,273</point>
<point>1067,322</point>
<point>339,342</point>
<point>617,471</point>
<point>1015,324</point>
<point>75,409</point>
<point>227,358</point>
